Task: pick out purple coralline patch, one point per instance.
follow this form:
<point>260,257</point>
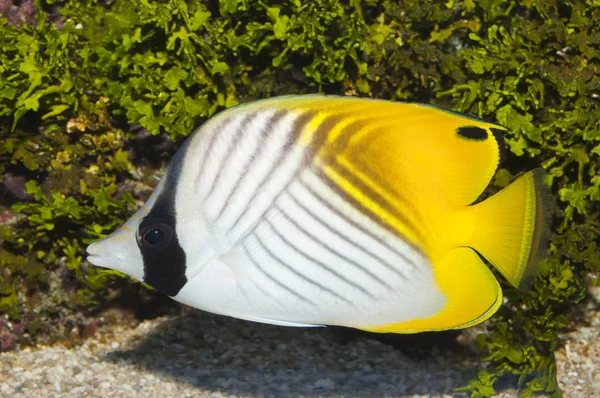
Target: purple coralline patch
<point>18,12</point>
<point>10,333</point>
<point>19,328</point>
<point>90,329</point>
<point>15,184</point>
<point>24,12</point>
<point>7,342</point>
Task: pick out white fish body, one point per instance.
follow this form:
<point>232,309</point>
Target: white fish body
<point>259,218</point>
<point>265,214</point>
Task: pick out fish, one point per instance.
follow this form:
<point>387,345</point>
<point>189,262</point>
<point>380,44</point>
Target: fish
<point>320,210</point>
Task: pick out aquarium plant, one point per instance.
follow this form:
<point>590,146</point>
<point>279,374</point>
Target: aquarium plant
<point>95,95</point>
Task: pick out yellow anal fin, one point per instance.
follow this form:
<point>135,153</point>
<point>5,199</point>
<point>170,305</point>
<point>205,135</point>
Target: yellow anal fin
<point>472,292</point>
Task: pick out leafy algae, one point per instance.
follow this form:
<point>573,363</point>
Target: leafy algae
<point>74,89</point>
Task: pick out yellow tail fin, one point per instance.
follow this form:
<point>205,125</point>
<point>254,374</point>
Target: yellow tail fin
<point>512,228</point>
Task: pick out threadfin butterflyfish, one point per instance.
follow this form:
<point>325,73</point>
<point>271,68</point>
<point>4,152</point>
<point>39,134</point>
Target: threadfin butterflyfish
<point>320,210</point>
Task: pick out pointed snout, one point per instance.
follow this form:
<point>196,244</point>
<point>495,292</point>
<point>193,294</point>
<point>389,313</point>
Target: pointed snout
<point>118,251</point>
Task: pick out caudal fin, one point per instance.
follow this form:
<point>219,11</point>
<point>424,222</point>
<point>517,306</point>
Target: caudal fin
<point>513,226</point>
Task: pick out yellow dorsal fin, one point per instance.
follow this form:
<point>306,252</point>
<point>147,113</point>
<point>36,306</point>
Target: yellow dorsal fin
<point>419,148</point>
<point>433,153</point>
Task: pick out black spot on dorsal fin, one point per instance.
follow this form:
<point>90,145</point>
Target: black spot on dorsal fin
<point>472,133</point>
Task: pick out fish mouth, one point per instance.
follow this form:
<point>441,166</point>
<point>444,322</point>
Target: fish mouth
<point>98,262</point>
<point>100,257</point>
<point>118,251</point>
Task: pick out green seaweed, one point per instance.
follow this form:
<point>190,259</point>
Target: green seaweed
<point>71,97</point>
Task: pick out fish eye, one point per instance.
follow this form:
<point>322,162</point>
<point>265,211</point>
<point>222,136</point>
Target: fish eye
<point>156,236</point>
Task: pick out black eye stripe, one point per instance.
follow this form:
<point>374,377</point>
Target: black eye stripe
<point>473,133</point>
<point>164,259</point>
<point>165,268</point>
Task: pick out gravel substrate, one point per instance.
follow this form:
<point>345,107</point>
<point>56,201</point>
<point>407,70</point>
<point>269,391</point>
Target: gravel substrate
<point>202,355</point>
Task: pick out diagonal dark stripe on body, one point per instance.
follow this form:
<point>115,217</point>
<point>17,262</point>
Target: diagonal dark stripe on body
<point>338,148</point>
<point>348,239</point>
<point>248,118</point>
<point>363,209</point>
<point>268,129</point>
<point>264,292</point>
<point>385,204</point>
<point>321,264</point>
<point>336,253</point>
<point>293,270</point>
<point>270,277</point>
<point>356,225</point>
<point>211,143</point>
<point>318,139</point>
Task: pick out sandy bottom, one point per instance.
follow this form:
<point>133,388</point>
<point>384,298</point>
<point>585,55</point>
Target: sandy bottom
<point>203,355</point>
